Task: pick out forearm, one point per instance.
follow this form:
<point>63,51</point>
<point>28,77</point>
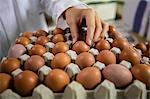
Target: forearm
<point>55,8</point>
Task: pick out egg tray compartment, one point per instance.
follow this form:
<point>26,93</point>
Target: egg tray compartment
<point>106,90</point>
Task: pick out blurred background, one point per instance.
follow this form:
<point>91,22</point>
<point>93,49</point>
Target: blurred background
<point>131,17</point>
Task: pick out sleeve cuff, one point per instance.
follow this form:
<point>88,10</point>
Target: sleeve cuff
<point>60,22</point>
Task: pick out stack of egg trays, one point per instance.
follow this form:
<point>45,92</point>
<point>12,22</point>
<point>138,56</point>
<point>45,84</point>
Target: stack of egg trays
<point>105,90</point>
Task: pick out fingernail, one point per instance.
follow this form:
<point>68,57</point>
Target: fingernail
<point>90,42</point>
<point>96,40</point>
<point>73,41</point>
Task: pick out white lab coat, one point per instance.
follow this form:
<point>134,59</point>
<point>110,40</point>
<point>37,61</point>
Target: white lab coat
<point>27,15</point>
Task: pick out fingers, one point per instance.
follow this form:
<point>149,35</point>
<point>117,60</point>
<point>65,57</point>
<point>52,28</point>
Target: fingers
<point>98,29</point>
<point>72,18</point>
<point>105,27</point>
<point>90,23</point>
<point>74,30</point>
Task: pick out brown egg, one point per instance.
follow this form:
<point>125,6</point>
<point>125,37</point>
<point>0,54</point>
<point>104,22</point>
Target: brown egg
<point>112,29</point>
<point>23,40</point>
<point>103,45</point>
<point>147,53</point>
<point>5,80</point>
<point>118,74</point>
<point>120,43</point>
<point>142,73</point>
<point>85,59</point>
<point>40,32</point>
<point>58,38</point>
<point>89,77</point>
<point>25,82</point>
<point>141,46</point>
<point>130,55</point>
<point>42,40</point>
<point>113,32</point>
<point>80,46</point>
<point>57,80</point>
<point>37,50</point>
<point>106,57</point>
<point>16,51</point>
<point>58,31</point>
<point>60,60</point>
<point>27,34</point>
<point>9,65</point>
<point>60,47</point>
<point>34,63</point>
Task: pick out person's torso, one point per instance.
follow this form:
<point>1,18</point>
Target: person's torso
<point>18,16</point>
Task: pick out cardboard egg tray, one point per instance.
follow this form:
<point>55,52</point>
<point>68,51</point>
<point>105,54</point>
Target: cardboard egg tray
<point>105,90</point>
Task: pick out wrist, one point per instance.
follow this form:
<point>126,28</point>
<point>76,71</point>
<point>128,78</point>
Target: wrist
<point>64,13</point>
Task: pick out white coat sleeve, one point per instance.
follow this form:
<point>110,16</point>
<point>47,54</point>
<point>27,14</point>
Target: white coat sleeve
<point>55,8</point>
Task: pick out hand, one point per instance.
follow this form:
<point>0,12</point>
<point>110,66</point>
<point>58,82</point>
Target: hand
<point>96,28</point>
